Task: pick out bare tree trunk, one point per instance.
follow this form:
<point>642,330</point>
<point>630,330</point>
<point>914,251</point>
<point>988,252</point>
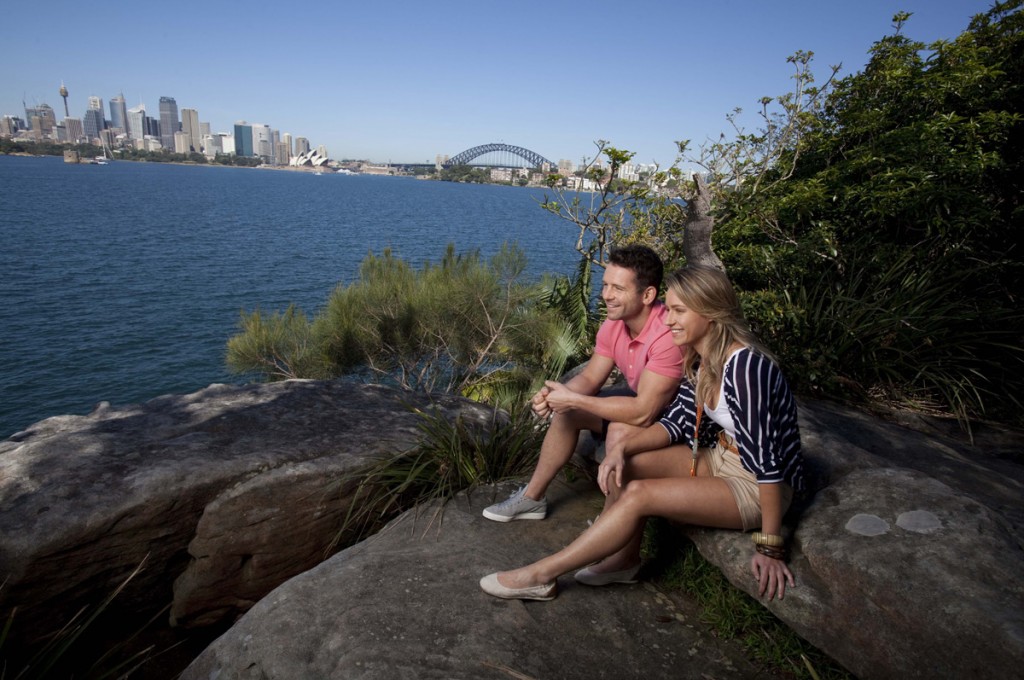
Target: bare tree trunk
<point>697,228</point>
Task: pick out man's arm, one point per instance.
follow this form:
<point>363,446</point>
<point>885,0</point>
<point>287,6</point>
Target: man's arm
<point>653,393</point>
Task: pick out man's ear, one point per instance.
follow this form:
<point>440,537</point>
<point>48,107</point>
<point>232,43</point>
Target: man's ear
<point>650,295</point>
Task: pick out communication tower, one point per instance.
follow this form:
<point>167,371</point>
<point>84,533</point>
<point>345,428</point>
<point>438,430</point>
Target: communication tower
<point>64,94</point>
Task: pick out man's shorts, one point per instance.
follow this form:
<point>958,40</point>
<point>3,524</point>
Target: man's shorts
<point>623,391</point>
<point>726,464</point>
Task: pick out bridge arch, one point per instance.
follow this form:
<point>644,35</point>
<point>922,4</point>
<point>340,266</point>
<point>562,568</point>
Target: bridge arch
<point>532,157</point>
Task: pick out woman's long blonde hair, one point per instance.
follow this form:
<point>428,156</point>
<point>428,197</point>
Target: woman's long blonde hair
<point>708,292</point>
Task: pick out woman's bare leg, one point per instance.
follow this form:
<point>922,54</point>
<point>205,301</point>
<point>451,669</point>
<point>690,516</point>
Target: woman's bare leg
<point>704,501</point>
<point>671,462</point>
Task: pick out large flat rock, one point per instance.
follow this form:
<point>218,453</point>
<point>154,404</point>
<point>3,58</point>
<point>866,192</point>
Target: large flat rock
<point>406,604</point>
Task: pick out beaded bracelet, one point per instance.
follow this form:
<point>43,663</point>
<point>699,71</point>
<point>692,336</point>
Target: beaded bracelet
<point>773,540</point>
<point>772,552</point>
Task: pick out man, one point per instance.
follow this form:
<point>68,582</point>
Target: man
<point>635,339</point>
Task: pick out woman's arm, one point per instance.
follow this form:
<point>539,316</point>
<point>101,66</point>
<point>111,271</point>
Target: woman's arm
<point>771,574</point>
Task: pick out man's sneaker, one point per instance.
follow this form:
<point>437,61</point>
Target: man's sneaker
<point>517,506</point>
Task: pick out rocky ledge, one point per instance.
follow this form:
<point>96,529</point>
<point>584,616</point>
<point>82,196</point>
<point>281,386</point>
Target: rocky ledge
<point>909,557</point>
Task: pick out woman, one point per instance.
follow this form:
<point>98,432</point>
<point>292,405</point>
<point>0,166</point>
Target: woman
<point>742,477</point>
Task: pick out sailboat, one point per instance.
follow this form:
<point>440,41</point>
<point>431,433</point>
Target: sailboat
<point>105,158</point>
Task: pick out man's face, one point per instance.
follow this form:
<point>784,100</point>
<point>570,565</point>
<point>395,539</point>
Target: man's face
<point>622,295</point>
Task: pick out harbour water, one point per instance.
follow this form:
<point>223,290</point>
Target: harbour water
<point>123,282</point>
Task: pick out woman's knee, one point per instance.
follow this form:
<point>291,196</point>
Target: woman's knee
<point>635,496</point>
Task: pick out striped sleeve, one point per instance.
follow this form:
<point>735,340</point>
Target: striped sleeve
<point>679,417</point>
<point>764,412</point>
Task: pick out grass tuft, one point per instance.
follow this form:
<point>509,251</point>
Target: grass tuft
<point>731,613</point>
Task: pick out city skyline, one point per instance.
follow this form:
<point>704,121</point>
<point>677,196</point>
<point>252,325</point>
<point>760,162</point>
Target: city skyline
<point>405,82</point>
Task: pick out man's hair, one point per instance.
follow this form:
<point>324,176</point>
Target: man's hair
<point>643,261</point>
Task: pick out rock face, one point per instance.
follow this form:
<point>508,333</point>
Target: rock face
<point>224,493</point>
<point>406,604</point>
<point>909,558</point>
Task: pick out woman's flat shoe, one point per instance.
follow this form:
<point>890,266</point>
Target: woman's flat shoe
<point>589,577</point>
<point>490,585</point>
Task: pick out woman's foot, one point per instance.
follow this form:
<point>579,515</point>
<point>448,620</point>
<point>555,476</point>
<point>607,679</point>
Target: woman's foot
<point>491,585</point>
<point>601,574</point>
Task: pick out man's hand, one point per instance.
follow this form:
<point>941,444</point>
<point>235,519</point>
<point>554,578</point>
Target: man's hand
<point>539,403</point>
<point>560,398</point>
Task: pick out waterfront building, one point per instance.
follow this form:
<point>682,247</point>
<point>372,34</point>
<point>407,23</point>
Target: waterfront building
<point>190,126</point>
<point>565,167</point>
<point>135,120</point>
<point>262,144</point>
<point>182,142</point>
<point>286,139</point>
<point>41,120</point>
<point>322,150</point>
<point>211,145</point>
<point>74,130</point>
<point>168,121</point>
<point>7,126</point>
<point>243,139</point>
<point>118,113</point>
<point>301,146</point>
<point>93,122</point>
<point>227,142</point>
<point>281,155</point>
<point>204,129</point>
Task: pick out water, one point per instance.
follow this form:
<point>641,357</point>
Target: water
<point>124,282</point>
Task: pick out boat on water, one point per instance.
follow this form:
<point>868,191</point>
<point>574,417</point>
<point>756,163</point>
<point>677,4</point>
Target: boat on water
<point>105,158</point>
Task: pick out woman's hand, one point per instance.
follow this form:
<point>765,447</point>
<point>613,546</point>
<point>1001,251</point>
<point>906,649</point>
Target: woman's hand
<point>610,470</point>
<point>771,575</point>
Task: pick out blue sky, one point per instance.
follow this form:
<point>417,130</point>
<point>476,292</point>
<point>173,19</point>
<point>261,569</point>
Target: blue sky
<point>404,81</point>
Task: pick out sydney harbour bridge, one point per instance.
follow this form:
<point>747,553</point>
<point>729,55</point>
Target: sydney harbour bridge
<point>498,154</point>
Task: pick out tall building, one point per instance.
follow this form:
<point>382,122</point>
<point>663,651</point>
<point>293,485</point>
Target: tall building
<point>119,113</point>
<point>135,120</point>
<point>190,126</point>
<point>243,139</point>
<point>41,119</point>
<point>74,130</point>
<point>301,146</point>
<point>168,121</point>
<point>92,123</point>
<point>182,142</point>
<point>262,141</point>
<point>286,139</point>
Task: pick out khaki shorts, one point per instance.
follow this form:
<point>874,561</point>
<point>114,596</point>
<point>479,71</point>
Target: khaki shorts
<point>726,465</point>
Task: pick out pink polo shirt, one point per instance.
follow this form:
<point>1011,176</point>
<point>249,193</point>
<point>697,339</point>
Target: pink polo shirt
<point>652,348</point>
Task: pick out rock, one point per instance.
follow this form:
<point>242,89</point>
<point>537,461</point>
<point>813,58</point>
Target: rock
<point>909,558</point>
<point>406,604</point>
<point>224,493</point>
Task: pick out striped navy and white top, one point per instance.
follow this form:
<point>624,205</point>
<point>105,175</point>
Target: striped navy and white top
<point>764,411</point>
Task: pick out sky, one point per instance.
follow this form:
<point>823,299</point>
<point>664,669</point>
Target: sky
<point>403,81</point>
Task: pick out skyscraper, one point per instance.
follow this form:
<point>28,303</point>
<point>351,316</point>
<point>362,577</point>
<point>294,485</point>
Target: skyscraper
<point>74,130</point>
<point>168,121</point>
<point>119,113</point>
<point>190,126</point>
<point>92,123</point>
<point>243,139</point>
<point>135,119</point>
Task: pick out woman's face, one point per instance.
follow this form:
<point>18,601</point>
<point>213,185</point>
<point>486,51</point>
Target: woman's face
<point>687,326</point>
